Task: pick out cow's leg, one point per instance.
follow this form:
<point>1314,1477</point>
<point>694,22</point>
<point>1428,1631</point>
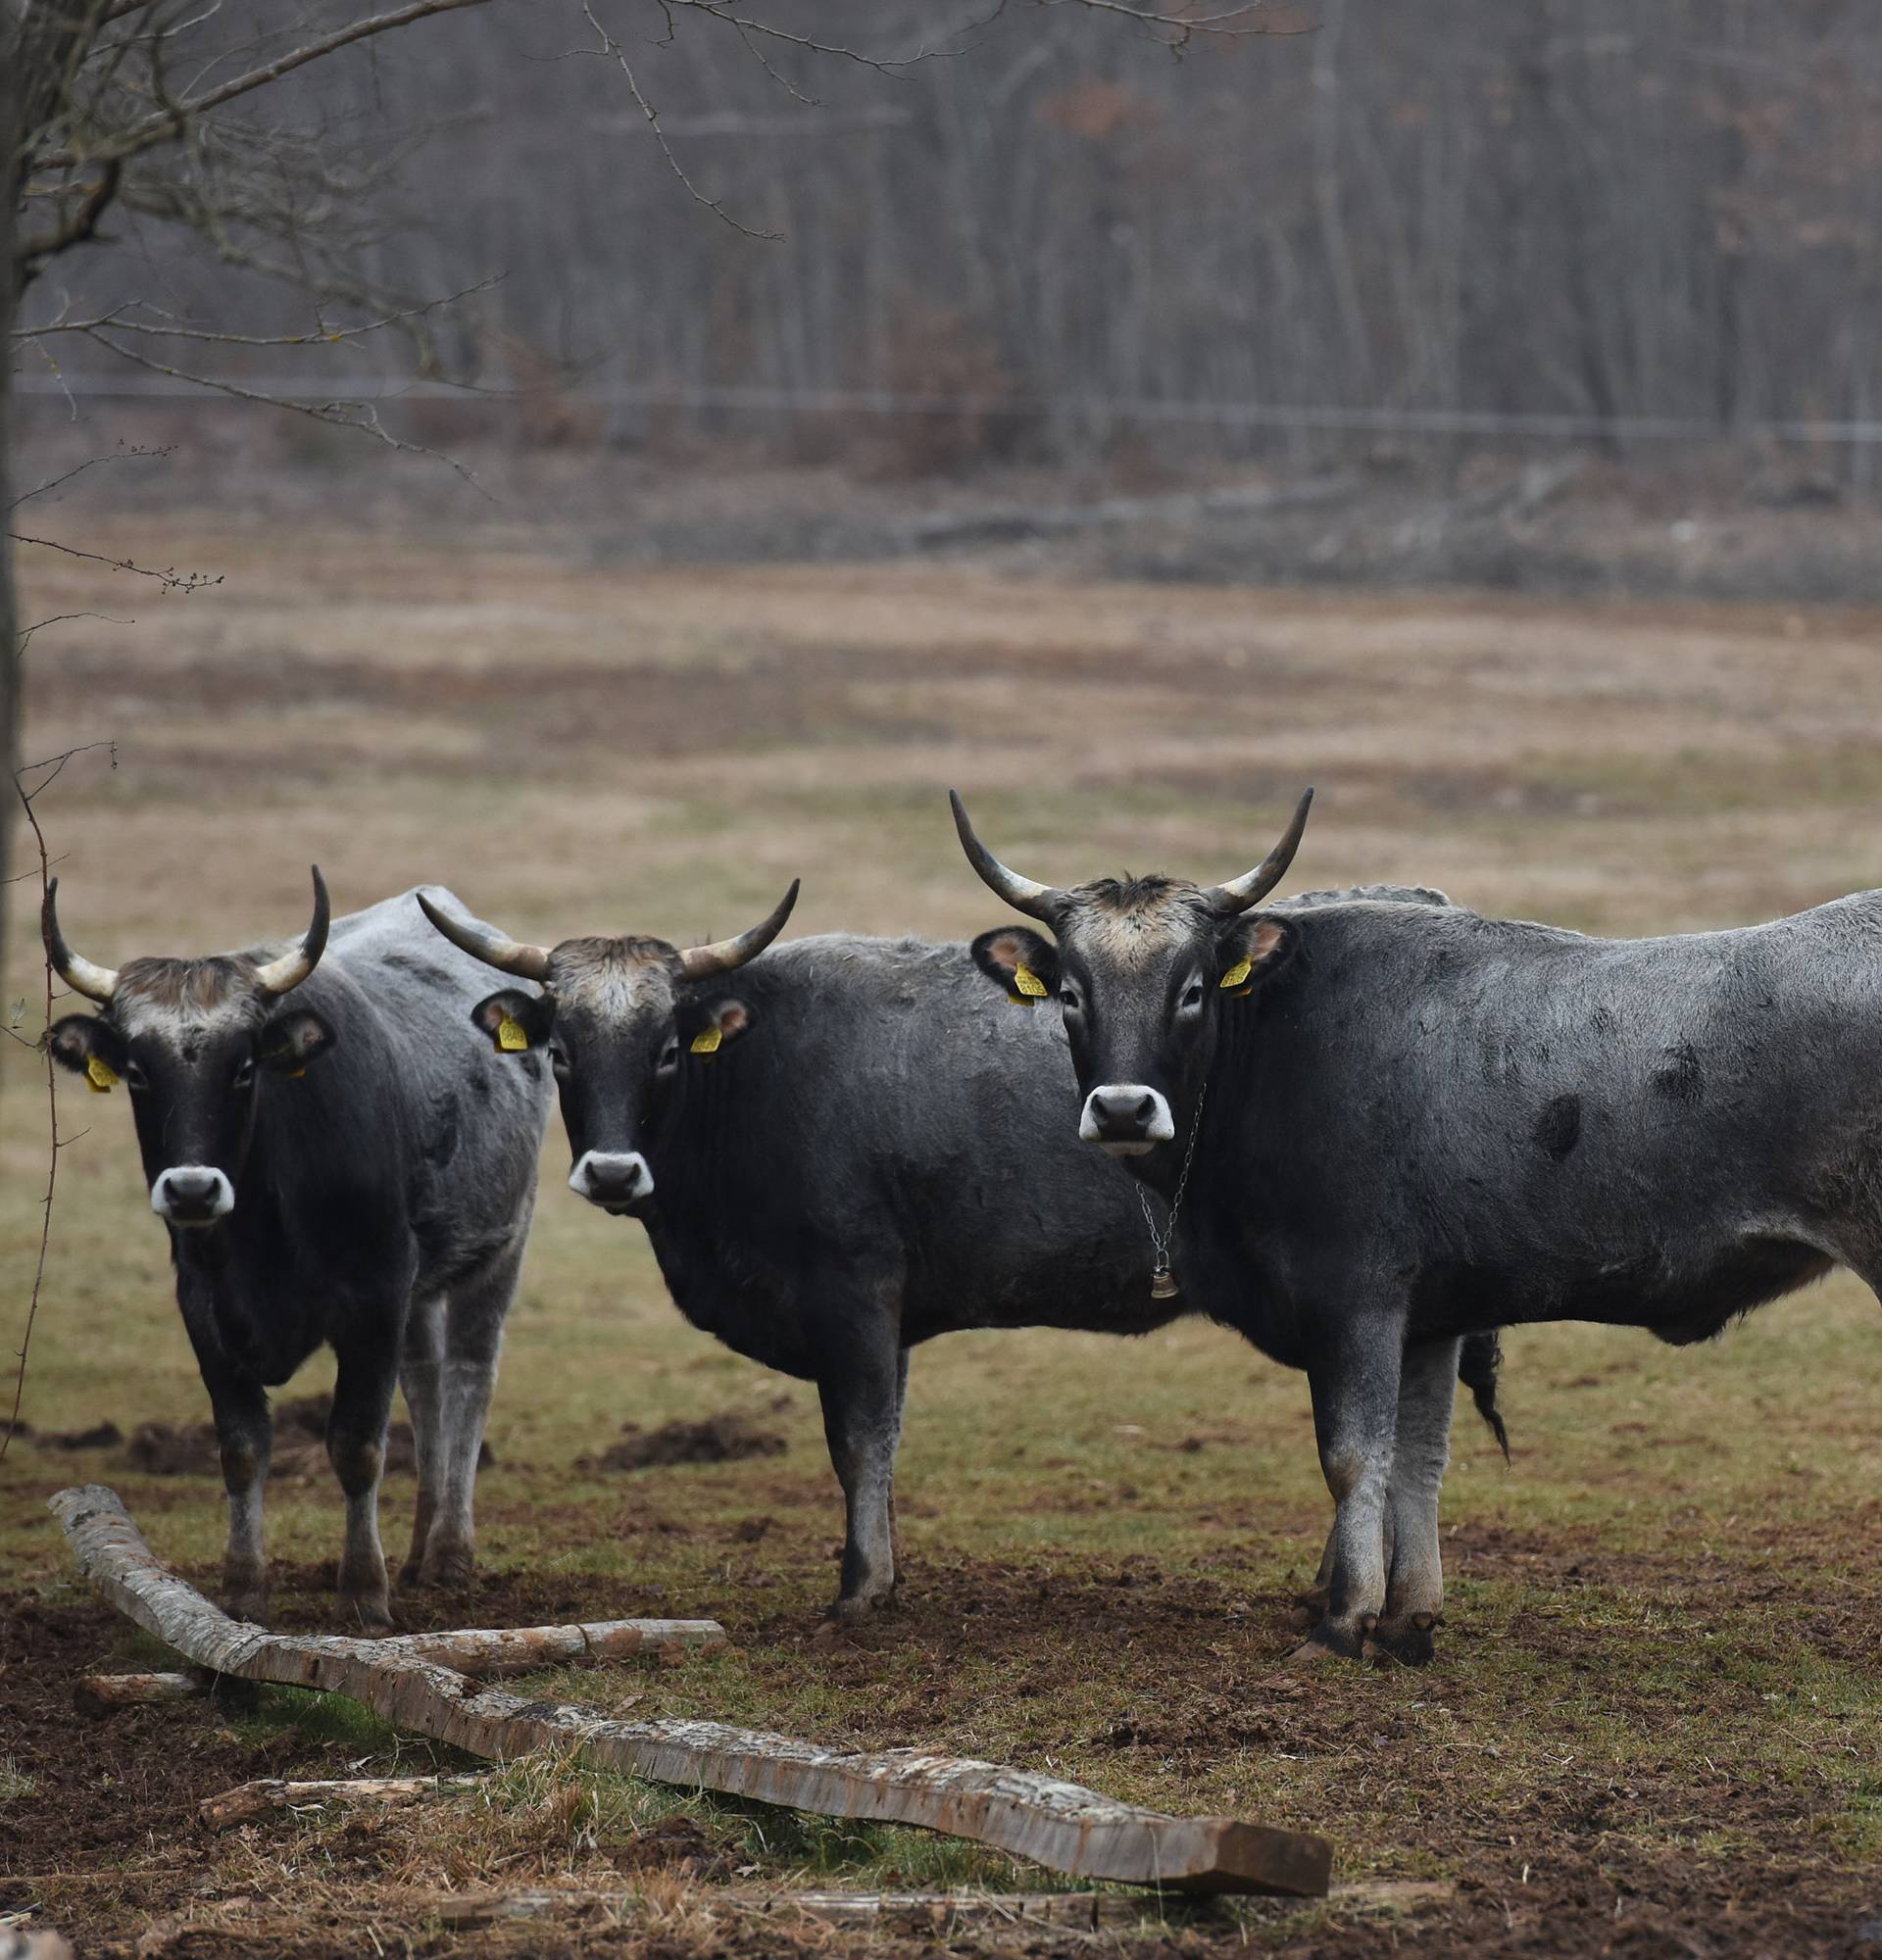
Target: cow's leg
<point>421,1377</point>
<point>244,1440</point>
<point>1312,1602</point>
<point>1354,1385</point>
<point>862,1385</point>
<point>369,1358</point>
<point>474,1341</point>
<point>1415,1585</point>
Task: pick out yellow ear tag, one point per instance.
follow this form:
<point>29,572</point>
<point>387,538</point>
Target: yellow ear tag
<point>100,1077</point>
<point>511,1039</point>
<point>1029,983</point>
<point>1237,974</point>
<point>708,1041</point>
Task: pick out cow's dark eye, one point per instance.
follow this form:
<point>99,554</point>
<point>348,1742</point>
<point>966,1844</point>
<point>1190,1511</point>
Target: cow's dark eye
<point>1191,1000</point>
<point>1071,998</point>
<point>134,1076</point>
<point>670,1056</point>
<point>558,1057</point>
<point>244,1072</point>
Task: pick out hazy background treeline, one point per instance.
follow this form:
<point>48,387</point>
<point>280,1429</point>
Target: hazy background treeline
<point>1591,209</point>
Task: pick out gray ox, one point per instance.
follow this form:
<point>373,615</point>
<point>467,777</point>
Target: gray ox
<point>1412,1123</point>
<point>852,1152</point>
<point>337,1163</point>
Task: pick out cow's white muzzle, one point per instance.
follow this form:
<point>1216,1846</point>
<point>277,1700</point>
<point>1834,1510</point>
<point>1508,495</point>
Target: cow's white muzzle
<point>1126,1118</point>
<point>612,1178</point>
<point>192,1195</point>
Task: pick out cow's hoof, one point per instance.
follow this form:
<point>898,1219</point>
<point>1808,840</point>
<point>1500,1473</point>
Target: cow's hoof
<point>449,1566</point>
<point>859,1608</point>
<point>1411,1640</point>
<point>368,1613</point>
<point>1332,1639</point>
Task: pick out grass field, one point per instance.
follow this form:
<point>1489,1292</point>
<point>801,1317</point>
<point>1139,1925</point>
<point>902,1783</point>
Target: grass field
<point>1656,1723</point>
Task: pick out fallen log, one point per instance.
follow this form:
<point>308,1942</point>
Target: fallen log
<point>1056,1824</point>
<point>267,1795</point>
<point>101,1694</point>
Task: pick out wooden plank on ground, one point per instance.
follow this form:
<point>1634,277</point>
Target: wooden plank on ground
<point>101,1694</point>
<point>267,1795</point>
<point>1056,1824</point>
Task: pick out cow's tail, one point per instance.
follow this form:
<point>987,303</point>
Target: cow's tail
<point>1479,1361</point>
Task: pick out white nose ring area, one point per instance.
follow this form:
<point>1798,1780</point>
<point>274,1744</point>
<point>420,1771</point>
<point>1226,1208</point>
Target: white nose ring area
<point>1126,1119</point>
<point>612,1177</point>
<point>192,1195</point>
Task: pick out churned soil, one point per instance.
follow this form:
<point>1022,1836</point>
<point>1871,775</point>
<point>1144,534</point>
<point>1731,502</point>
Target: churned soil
<point>109,1846</point>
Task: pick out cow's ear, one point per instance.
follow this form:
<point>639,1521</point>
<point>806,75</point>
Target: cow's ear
<point>1023,963</point>
<point>291,1040</point>
<point>1251,952</point>
<point>78,1040</point>
<point>709,1027</point>
<point>515,1022</point>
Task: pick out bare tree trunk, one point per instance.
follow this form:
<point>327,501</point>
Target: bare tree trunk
<point>11,144</point>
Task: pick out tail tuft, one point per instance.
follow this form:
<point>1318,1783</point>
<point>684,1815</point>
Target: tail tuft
<point>1479,1364</point>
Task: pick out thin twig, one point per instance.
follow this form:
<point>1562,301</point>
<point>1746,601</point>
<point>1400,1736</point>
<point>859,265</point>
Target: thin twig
<point>355,415</point>
<point>612,50</point>
<point>60,619</point>
<point>172,580</point>
<point>137,454</point>
<point>56,765</point>
<point>172,122</point>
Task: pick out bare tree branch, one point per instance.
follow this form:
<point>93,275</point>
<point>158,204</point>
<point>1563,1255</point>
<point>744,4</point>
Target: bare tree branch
<point>50,770</point>
<point>172,123</point>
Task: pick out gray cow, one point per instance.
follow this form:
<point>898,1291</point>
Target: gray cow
<point>839,1152</point>
<point>1412,1123</point>
<point>336,1162</point>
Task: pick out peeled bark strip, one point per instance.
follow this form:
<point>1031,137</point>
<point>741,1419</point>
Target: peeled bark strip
<point>922,1913</point>
<point>269,1794</point>
<point>1056,1824</point>
<point>100,1694</point>
<point>488,1651</point>
<point>17,1944</point>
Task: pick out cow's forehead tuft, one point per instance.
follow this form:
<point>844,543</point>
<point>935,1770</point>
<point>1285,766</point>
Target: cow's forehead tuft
<point>1133,919</point>
<point>611,973</point>
<point>169,996</point>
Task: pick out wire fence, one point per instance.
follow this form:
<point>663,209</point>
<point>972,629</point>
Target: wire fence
<point>1085,409</point>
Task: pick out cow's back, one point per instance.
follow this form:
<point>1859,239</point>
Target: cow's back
<point>1562,1126</point>
<point>410,1123</point>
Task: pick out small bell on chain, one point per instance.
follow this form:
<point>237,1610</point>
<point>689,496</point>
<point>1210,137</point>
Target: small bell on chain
<point>1163,1284</point>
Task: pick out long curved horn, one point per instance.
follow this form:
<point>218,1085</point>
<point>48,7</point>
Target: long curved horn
<point>507,956</point>
<point>1239,894</point>
<point>726,956</point>
<point>283,976</point>
<point>95,983</point>
<point>1023,893</point>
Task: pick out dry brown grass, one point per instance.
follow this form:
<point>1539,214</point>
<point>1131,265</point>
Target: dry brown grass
<point>1661,1691</point>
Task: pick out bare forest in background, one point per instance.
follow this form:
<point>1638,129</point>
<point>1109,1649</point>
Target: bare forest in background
<point>1601,211</point>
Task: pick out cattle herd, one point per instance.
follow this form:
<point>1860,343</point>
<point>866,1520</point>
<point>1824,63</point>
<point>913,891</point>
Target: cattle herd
<point>1366,1128</point>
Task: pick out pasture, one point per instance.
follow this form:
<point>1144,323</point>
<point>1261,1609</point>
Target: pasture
<point>1655,1720</point>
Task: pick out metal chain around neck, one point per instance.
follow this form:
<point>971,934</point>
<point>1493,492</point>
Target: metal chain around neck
<point>1159,1241</point>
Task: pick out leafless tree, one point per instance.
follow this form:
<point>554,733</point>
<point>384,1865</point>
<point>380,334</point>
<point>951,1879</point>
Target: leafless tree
<point>246,163</point>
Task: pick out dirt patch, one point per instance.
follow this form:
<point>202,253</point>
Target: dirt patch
<point>719,1438</point>
<point>189,1450</point>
